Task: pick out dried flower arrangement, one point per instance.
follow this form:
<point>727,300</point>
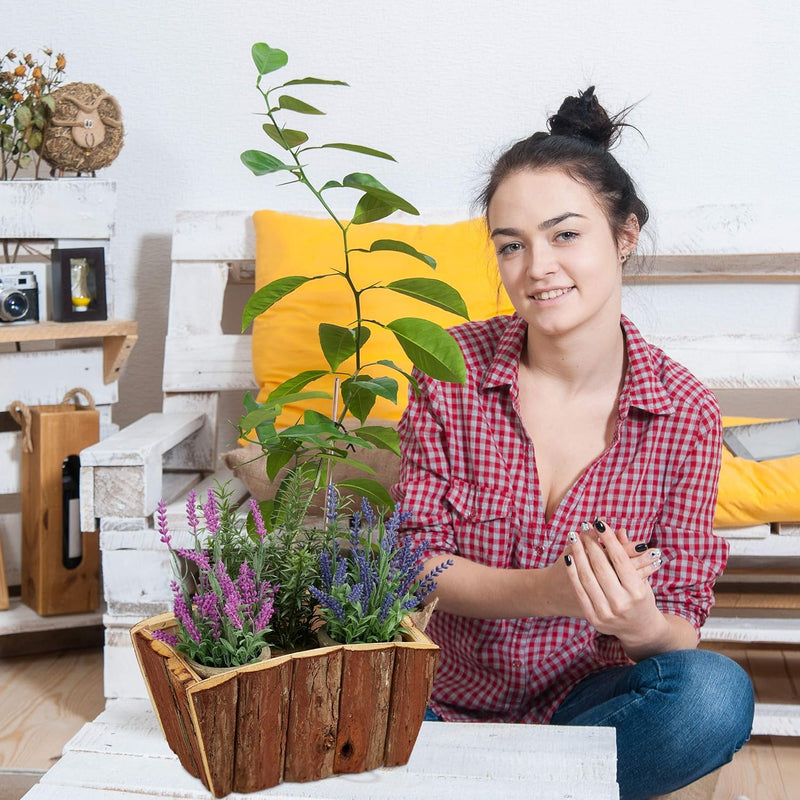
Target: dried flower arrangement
<point>26,107</point>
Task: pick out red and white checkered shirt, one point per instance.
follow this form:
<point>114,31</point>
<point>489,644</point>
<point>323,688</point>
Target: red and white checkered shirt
<point>468,477</point>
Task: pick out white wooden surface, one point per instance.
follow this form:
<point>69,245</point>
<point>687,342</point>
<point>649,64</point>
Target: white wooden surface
<point>123,754</point>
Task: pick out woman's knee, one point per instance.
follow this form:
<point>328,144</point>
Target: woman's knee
<point>715,694</point>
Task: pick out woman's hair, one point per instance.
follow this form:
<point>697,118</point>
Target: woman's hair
<point>580,136</point>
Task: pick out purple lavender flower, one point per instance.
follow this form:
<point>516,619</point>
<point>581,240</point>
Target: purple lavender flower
<point>201,559</point>
<point>207,605</point>
<point>257,519</point>
<point>329,602</point>
<point>368,514</point>
<point>162,523</point>
<point>191,512</point>
<point>184,613</point>
<point>168,638</point>
<point>355,527</point>
<point>331,504</point>
<point>264,615</point>
<point>211,514</point>
<point>386,606</point>
<point>325,569</point>
<point>356,593</point>
<point>246,585</point>
<point>341,572</point>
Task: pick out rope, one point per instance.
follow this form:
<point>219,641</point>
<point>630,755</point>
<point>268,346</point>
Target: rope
<point>73,393</point>
<point>21,414</point>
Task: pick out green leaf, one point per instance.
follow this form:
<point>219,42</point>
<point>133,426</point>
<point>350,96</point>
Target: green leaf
<point>314,82</point>
<point>276,461</point>
<point>382,436</point>
<point>372,186</point>
<point>289,103</point>
<point>22,117</point>
<point>359,148</point>
<point>408,376</point>
<point>285,137</point>
<point>260,163</point>
<point>296,383</point>
<point>359,399</point>
<point>35,139</point>
<point>268,59</point>
<point>49,101</point>
<point>435,292</point>
<point>372,490</point>
<point>295,397</point>
<point>261,415</point>
<point>359,394</point>
<point>337,343</point>
<point>431,348</point>
<point>402,247</point>
<point>331,185</point>
<point>268,295</point>
<point>371,209</point>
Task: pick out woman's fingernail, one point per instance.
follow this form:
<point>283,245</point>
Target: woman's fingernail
<point>640,548</point>
<point>599,525</point>
<point>655,554</point>
<point>568,560</point>
<point>585,527</point>
<point>657,563</point>
<point>572,536</point>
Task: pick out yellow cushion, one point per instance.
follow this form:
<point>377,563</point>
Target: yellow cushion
<point>754,492</point>
<point>285,340</point>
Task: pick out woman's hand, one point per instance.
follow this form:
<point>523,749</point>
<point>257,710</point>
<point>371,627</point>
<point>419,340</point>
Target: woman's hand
<point>609,580</point>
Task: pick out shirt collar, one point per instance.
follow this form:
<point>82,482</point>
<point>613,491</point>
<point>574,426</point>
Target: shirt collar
<point>642,388</point>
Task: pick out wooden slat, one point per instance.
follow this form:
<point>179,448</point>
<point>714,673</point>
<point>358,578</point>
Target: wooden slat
<point>311,731</point>
<point>738,267</point>
<point>208,363</point>
<point>364,707</point>
<point>67,208</point>
<point>743,629</point>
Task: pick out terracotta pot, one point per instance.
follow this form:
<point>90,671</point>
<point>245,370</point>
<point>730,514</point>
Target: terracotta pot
<point>296,717</point>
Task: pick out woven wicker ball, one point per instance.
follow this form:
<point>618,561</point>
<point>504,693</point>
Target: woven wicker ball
<point>85,132</point>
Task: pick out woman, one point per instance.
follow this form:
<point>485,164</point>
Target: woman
<point>572,480</point>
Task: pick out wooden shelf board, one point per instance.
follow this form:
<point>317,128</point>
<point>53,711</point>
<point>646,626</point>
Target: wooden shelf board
<point>118,335</point>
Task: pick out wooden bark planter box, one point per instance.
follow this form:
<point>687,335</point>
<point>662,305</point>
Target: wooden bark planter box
<point>296,717</point>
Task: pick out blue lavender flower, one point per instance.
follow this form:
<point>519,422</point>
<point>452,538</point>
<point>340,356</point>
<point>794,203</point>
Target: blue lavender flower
<point>329,602</point>
<point>331,504</point>
<point>368,513</point>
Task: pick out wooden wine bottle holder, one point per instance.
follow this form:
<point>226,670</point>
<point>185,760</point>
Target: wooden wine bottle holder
<point>48,586</point>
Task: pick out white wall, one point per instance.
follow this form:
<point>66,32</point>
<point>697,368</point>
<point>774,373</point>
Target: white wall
<point>443,85</point>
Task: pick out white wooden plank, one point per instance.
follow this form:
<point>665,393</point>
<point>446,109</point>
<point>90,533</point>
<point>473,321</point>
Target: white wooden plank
<point>10,462</point>
<point>196,294</point>
<point>66,208</point>
<point>751,629</point>
<point>11,538</point>
<point>143,441</point>
<point>21,619</point>
<point>776,719</point>
<point>744,532</point>
<point>737,361</point>
<point>213,236</point>
<point>770,546</point>
<point>787,529</point>
<point>43,377</point>
<point>198,451</point>
<point>205,363</point>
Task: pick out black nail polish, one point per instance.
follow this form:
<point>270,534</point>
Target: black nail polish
<point>640,548</point>
<point>568,560</point>
<point>599,525</point>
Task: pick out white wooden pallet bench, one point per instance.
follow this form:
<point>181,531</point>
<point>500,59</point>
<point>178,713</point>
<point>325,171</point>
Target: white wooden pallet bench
<point>165,454</point>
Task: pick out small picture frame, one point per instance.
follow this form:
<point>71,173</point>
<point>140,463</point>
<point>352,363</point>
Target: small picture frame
<point>79,284</point>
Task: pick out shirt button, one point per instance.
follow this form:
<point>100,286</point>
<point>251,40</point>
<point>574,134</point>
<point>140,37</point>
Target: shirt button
<point>539,549</point>
<point>516,663</point>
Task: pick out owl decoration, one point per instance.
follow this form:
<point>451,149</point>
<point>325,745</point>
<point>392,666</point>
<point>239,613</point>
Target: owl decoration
<point>85,131</point>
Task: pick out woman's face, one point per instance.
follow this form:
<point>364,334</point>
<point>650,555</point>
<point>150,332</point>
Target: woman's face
<point>557,255</point>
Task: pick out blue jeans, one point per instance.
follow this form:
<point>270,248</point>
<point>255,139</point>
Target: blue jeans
<point>678,715</point>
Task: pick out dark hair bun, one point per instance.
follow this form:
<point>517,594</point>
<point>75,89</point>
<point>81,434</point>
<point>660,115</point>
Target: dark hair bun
<point>583,117</point>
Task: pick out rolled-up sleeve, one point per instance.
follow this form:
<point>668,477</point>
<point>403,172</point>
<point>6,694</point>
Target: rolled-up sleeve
<point>695,557</point>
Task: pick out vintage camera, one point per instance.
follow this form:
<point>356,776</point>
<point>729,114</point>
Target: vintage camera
<point>19,297</point>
